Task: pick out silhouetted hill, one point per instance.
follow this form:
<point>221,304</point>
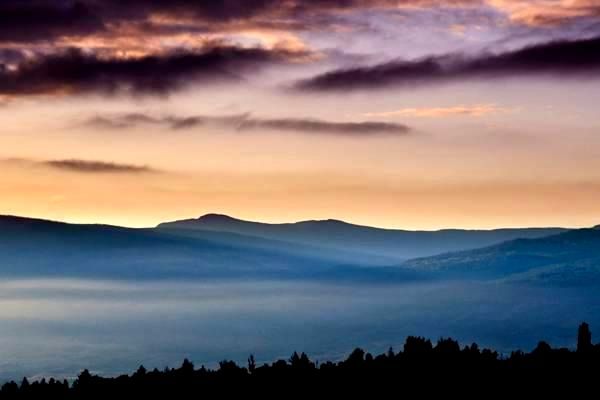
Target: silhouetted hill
<point>394,245</point>
<point>316,250</point>
<point>36,247</point>
<point>569,258</point>
<point>39,248</point>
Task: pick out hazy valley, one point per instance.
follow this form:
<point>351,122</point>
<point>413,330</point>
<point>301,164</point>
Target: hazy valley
<point>221,288</point>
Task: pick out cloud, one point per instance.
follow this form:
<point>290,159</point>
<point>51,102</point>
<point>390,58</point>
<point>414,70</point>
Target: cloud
<point>32,21</point>
<point>51,18</point>
<point>94,167</point>
<point>48,20</point>
<point>12,56</point>
<point>245,122</point>
<point>577,58</point>
<point>54,21</point>
<point>4,101</point>
<point>83,166</point>
<point>75,71</point>
<point>477,110</point>
<point>544,13</point>
<point>156,47</point>
<point>106,23</point>
<point>121,122</point>
<point>318,126</point>
<point>23,21</point>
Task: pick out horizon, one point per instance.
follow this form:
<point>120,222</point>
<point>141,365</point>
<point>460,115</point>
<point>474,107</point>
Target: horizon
<point>291,222</point>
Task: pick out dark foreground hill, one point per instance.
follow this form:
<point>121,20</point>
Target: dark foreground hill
<point>376,243</point>
<point>569,259</point>
<point>421,370</point>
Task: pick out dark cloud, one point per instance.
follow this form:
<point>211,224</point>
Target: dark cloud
<point>29,21</point>
<point>82,166</point>
<point>93,167</point>
<point>207,9</point>
<point>245,122</point>
<point>121,122</point>
<point>47,20</point>
<point>11,57</point>
<point>75,71</point>
<point>576,58</point>
<point>32,21</point>
<point>318,126</point>
<point>221,10</point>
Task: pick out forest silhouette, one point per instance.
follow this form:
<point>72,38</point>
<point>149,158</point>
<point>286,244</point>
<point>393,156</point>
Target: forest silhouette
<point>421,369</point>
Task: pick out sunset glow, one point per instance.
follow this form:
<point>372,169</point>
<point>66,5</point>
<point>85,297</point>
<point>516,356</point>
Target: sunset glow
<point>406,114</point>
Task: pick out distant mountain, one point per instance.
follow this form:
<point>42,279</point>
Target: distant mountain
<point>210,248</point>
<point>39,248</point>
<point>343,256</point>
<point>567,259</point>
<point>382,245</point>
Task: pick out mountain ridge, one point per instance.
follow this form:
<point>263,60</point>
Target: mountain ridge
<point>311,250</point>
<point>30,247</point>
<point>217,217</point>
<point>572,256</point>
<point>394,244</point>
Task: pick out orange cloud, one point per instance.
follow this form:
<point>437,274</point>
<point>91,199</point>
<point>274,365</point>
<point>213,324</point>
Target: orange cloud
<point>546,12</point>
<point>477,110</point>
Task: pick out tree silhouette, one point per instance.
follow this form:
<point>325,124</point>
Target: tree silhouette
<point>251,364</point>
<point>420,370</point>
<point>417,345</point>
<point>584,338</point>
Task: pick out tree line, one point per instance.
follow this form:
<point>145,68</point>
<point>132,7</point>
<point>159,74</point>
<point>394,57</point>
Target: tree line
<point>421,369</point>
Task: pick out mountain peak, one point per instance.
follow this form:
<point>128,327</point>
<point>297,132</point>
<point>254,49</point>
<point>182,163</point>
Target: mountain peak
<point>212,217</point>
<point>330,222</point>
<point>334,221</point>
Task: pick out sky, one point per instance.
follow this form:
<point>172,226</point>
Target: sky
<point>409,114</point>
